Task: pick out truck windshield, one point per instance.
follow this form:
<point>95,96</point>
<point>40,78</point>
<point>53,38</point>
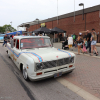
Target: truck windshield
<point>29,43</point>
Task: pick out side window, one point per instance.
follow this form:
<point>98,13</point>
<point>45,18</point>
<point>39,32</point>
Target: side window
<point>17,44</point>
<point>14,42</point>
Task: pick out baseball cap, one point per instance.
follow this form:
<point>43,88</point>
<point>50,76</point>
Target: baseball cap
<point>80,33</point>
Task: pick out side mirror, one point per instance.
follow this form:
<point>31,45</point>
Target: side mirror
<point>12,43</point>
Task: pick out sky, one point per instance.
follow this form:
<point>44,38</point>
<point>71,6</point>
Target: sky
<point>16,12</point>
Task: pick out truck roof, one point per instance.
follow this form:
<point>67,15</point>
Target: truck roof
<point>22,37</point>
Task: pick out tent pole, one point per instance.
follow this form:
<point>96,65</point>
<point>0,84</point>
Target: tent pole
<point>54,37</point>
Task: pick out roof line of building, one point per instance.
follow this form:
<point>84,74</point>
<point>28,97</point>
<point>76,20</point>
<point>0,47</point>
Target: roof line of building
<point>79,12</point>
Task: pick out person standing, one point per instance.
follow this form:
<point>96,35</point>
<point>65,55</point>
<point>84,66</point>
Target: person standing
<point>5,41</point>
<point>93,43</point>
<point>79,43</point>
<point>70,41</point>
<point>84,45</point>
<point>74,39</point>
<point>93,30</point>
<point>88,37</point>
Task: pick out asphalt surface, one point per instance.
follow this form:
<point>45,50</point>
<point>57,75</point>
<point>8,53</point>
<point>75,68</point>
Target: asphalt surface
<point>10,87</point>
<point>14,87</point>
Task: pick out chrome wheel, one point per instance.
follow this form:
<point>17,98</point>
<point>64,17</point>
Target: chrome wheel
<point>25,75</point>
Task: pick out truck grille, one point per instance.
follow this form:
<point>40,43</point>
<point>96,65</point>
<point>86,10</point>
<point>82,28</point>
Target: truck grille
<point>55,63</point>
<point>49,64</point>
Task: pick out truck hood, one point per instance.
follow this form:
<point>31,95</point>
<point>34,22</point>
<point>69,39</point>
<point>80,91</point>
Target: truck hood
<point>48,54</point>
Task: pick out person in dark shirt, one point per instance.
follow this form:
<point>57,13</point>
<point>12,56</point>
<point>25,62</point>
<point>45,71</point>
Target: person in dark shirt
<point>88,38</point>
<point>5,41</point>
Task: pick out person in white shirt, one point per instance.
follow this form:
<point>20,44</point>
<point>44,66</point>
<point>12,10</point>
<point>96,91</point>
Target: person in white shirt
<point>70,41</point>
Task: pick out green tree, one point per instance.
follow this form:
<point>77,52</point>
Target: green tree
<point>2,30</point>
<point>9,28</point>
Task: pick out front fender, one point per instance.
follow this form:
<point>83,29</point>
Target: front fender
<point>30,66</point>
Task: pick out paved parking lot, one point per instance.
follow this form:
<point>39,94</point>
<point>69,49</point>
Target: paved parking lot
<point>87,72</point>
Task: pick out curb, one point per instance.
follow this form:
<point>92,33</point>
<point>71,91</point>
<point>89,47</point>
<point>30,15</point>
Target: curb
<point>81,92</point>
<point>86,55</point>
<point>97,45</point>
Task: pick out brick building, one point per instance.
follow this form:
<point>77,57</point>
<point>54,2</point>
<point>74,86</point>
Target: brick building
<point>71,22</point>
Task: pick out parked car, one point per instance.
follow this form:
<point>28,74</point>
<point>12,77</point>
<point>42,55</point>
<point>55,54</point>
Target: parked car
<point>37,59</point>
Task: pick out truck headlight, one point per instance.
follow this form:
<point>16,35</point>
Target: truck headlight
<point>39,66</point>
<point>71,60</point>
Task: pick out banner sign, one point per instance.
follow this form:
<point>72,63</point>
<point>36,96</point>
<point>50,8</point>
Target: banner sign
<point>42,24</point>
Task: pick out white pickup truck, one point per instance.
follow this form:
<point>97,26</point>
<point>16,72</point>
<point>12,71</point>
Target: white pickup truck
<point>37,59</point>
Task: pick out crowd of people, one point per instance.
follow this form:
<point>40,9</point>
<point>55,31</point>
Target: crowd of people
<point>87,41</point>
<point>83,42</point>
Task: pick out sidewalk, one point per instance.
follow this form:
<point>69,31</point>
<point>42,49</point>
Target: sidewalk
<point>97,44</point>
<point>87,72</point>
<point>73,49</point>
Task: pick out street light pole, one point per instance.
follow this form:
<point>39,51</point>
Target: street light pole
<point>83,11</point>
<point>38,21</point>
<point>74,10</point>
<point>81,4</point>
<point>57,11</point>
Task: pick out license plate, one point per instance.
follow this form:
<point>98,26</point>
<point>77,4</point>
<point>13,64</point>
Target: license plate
<point>57,74</point>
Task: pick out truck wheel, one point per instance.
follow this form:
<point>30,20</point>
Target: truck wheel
<point>25,75</point>
<point>8,54</point>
